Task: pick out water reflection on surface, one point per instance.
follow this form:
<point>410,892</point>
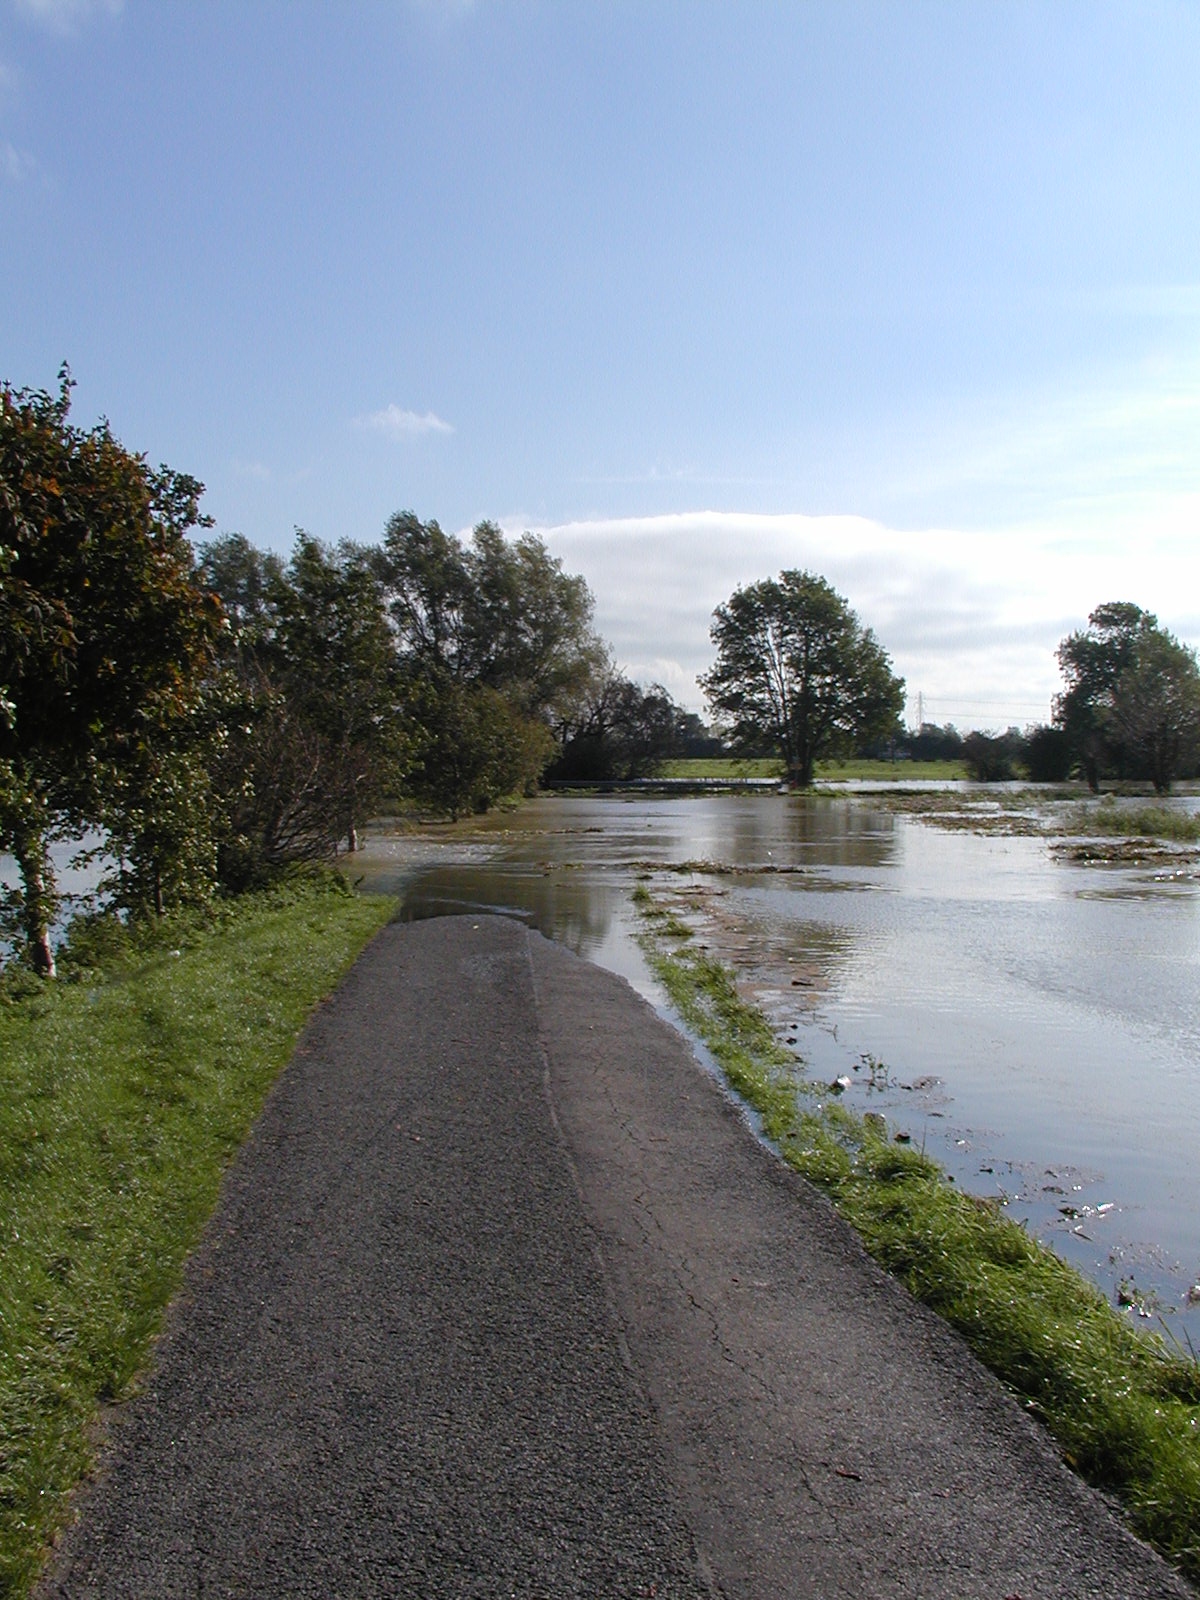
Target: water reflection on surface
<point>1034,1022</point>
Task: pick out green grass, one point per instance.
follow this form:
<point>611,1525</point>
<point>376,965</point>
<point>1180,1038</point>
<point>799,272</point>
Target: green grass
<point>727,767</point>
<point>1124,1408</point>
<point>889,771</point>
<point>1136,822</point>
<point>722,767</point>
<point>123,1095</point>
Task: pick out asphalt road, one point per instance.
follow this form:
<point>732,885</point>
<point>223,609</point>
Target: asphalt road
<point>504,1299</point>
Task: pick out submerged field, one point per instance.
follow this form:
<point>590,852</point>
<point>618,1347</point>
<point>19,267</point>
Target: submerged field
<point>124,1090</point>
<point>1124,1407</point>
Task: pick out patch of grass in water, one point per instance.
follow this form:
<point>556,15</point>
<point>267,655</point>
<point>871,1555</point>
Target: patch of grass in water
<point>1124,1409</point>
<point>1137,822</point>
<point>123,1095</point>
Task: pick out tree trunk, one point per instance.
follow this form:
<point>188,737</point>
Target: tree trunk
<point>37,878</point>
<point>352,840</point>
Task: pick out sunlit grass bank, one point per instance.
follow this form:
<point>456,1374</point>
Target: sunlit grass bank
<point>1124,1408</point>
<point>123,1095</point>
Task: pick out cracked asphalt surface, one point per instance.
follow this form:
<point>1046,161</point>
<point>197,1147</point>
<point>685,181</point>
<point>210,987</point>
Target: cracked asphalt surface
<point>503,1298</point>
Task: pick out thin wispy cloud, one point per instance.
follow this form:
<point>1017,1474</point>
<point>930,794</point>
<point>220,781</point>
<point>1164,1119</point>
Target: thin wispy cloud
<point>1079,452</point>
<point>398,423</point>
<point>16,166</point>
<point>66,17</point>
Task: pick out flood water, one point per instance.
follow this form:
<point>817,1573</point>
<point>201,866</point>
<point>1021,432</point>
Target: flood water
<point>1033,1023</point>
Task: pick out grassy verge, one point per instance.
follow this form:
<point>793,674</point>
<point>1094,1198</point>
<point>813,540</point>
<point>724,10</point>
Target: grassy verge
<point>1124,1409</point>
<point>123,1095</point>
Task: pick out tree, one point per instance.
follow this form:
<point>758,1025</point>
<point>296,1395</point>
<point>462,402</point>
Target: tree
<point>1047,754</point>
<point>339,668</point>
<point>993,758</point>
<point>798,673</point>
<point>1092,661</point>
<point>105,639</point>
<point>1130,706</point>
<point>501,615</point>
<point>495,652</point>
<point>1156,707</point>
<point>528,624</point>
<point>620,731</point>
<point>470,746</point>
<point>309,703</point>
<point>931,743</point>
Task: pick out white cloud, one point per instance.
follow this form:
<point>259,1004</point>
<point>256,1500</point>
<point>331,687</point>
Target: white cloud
<point>400,424</point>
<point>252,469</point>
<point>970,619</point>
<point>66,17</point>
<point>16,165</point>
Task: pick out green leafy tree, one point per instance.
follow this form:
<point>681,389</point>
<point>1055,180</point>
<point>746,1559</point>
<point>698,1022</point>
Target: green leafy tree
<point>797,673</point>
<point>1047,754</point>
<point>339,671</point>
<point>105,639</point>
<point>495,649</point>
<point>1130,707</point>
<point>314,730</point>
<point>621,731</point>
<point>1092,661</point>
<point>471,746</point>
<point>527,624</point>
<point>991,757</point>
<point>1156,707</point>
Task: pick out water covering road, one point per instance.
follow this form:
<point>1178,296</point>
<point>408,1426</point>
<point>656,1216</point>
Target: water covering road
<point>1033,1022</point>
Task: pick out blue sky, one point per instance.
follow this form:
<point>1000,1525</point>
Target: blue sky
<point>906,294</point>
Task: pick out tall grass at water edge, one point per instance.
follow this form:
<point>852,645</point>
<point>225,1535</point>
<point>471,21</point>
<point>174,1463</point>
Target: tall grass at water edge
<point>1137,822</point>
<point>123,1095</point>
<point>1123,1407</point>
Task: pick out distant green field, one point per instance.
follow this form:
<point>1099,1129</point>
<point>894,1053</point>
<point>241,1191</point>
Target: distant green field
<point>827,771</point>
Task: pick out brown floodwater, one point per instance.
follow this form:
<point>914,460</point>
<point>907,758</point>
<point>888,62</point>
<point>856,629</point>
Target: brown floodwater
<point>1033,1022</point>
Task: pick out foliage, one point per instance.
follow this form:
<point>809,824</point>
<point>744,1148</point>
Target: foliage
<point>470,746</point>
<point>931,743</point>
<point>992,758</point>
<point>1124,1409</point>
<point>1131,705</point>
<point>503,616</point>
<point>620,731</point>
<point>105,638</point>
<point>495,651</point>
<point>796,672</point>
<point>1156,709</point>
<point>1047,754</point>
<point>122,1096</point>
<point>308,699</point>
